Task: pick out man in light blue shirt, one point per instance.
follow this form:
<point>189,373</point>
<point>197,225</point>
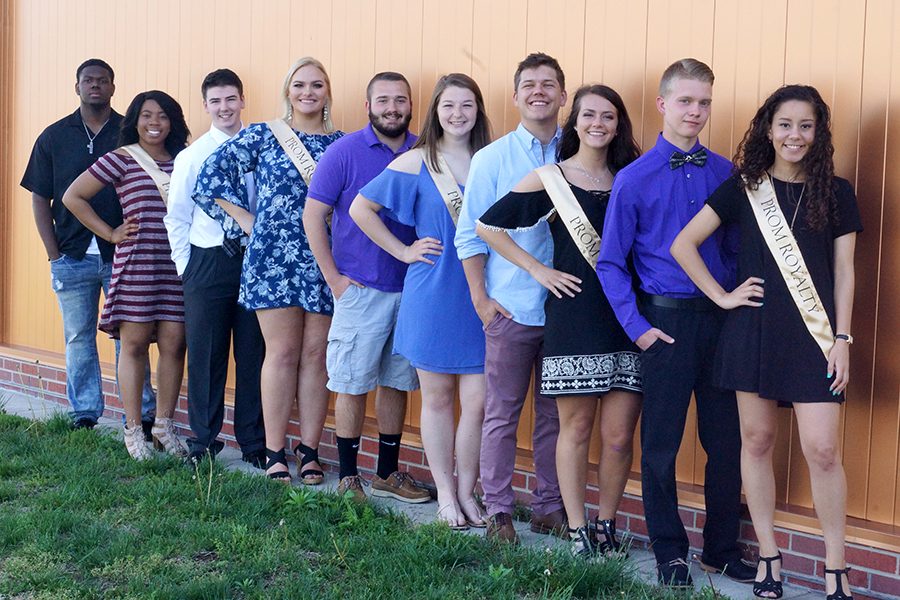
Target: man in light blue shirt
<point>510,303</point>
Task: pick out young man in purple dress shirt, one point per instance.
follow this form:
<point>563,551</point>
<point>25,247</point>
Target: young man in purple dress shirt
<point>366,282</point>
<point>676,326</point>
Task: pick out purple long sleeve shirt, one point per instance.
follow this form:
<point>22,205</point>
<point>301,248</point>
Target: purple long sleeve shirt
<point>650,204</point>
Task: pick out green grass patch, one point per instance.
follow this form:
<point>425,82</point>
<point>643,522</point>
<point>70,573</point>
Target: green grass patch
<point>80,519</point>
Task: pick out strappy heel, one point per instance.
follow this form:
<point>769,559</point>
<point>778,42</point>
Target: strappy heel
<point>607,544</point>
<point>839,593</point>
<point>583,543</point>
<point>274,458</point>
<point>306,455</point>
<point>137,447</point>
<point>768,585</point>
<point>165,439</point>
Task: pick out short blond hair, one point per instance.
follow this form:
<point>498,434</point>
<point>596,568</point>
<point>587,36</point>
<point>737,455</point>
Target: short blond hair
<point>288,109</point>
<point>686,68</point>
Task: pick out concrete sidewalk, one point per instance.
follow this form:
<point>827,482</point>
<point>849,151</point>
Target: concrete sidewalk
<point>645,565</point>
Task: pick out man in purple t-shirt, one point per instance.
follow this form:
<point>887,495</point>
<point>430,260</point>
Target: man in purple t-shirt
<point>366,282</point>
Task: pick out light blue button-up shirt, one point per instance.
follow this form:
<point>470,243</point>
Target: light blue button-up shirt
<point>494,171</point>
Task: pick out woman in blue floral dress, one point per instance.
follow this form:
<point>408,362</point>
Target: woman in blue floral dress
<point>280,278</point>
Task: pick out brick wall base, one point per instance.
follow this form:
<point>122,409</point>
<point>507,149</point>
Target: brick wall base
<point>875,574</point>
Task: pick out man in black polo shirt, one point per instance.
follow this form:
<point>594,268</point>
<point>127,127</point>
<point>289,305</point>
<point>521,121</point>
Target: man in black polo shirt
<point>80,264</point>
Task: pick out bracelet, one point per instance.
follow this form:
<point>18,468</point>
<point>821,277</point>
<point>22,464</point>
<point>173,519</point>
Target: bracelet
<point>844,336</point>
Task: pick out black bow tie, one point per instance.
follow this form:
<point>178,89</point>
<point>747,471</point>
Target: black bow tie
<point>678,159</point>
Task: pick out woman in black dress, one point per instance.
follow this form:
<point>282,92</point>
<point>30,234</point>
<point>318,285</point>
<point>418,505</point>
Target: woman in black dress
<point>767,353</point>
<point>587,355</point>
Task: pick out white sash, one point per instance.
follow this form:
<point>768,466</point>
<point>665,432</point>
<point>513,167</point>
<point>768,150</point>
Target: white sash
<point>146,162</point>
<point>784,249</point>
<point>445,184</point>
<point>294,148</point>
<point>583,233</point>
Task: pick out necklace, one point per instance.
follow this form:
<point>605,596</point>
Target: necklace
<point>91,138</point>
<point>789,193</point>
<point>597,180</point>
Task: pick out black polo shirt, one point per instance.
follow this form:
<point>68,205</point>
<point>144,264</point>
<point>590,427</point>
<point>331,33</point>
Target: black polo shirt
<point>59,156</point>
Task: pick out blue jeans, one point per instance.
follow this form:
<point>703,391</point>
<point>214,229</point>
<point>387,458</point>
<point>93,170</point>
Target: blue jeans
<point>77,284</point>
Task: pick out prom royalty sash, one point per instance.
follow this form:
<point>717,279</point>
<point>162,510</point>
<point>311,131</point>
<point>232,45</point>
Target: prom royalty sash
<point>781,243</point>
<point>583,233</point>
<point>146,162</point>
<point>294,148</point>
<point>446,185</point>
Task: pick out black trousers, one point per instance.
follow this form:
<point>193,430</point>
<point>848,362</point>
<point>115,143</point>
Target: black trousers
<point>670,373</point>
<point>211,317</point>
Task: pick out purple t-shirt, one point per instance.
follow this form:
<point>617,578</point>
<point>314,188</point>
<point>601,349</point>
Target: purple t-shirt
<point>348,165</point>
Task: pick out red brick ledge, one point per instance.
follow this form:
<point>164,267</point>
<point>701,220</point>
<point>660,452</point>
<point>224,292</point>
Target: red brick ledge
<point>875,574</point>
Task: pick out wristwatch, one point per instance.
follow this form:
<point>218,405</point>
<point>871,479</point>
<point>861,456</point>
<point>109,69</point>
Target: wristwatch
<point>844,336</point>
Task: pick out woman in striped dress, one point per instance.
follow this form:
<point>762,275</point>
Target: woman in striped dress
<point>144,303</point>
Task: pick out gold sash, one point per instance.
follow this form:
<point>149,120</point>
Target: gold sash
<point>294,148</point>
<point>146,162</point>
<point>446,185</point>
<point>583,233</point>
<point>783,246</point>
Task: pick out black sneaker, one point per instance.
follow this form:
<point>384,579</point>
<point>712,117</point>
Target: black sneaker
<point>84,423</point>
<point>674,574</point>
<point>257,458</point>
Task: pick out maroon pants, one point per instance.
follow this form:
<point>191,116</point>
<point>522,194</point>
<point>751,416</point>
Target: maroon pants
<point>513,351</point>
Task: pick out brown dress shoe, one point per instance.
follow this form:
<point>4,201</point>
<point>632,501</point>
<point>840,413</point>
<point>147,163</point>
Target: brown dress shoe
<point>500,528</point>
<point>554,523</point>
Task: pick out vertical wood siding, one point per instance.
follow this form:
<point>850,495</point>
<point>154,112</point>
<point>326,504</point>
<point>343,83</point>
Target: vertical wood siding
<point>848,49</point>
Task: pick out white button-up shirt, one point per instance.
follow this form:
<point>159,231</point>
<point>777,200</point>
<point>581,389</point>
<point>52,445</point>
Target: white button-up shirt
<point>186,222</point>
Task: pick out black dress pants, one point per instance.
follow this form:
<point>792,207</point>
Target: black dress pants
<point>670,373</point>
<point>211,317</point>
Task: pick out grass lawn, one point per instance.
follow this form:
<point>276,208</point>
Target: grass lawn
<point>80,519</point>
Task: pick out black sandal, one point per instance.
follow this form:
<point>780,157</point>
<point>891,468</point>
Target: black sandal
<point>768,585</point>
<point>306,455</point>
<point>839,593</point>
<point>277,458</point>
<point>605,532</point>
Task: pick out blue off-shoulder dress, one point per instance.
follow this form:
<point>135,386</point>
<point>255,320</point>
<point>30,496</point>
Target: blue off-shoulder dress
<point>279,268</point>
<point>438,329</point>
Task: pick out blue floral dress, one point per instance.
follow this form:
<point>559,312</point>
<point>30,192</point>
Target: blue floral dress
<point>279,268</point>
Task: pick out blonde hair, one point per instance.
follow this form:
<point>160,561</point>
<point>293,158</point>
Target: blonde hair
<point>289,110</point>
<point>686,68</point>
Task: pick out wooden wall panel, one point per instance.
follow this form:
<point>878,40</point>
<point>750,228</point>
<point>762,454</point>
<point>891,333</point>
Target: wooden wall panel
<point>847,49</point>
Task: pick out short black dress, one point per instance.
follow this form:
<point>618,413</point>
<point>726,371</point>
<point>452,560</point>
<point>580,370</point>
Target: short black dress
<point>586,351</point>
<point>768,350</point>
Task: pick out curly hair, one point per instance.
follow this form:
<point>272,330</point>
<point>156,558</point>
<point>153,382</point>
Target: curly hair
<point>756,154</point>
<point>179,133</point>
<point>622,150</point>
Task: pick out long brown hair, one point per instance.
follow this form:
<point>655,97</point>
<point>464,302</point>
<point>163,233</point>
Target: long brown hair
<point>623,149</point>
<point>432,130</point>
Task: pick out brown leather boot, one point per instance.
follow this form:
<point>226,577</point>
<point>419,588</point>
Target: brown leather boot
<point>500,528</point>
<point>554,523</point>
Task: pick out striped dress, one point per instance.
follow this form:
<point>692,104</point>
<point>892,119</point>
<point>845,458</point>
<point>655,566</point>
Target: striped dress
<point>144,286</point>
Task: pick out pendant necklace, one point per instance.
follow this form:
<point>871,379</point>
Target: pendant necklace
<point>91,138</point>
<point>597,180</point>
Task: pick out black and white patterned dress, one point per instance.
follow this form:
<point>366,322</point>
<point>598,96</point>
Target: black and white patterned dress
<point>586,351</point>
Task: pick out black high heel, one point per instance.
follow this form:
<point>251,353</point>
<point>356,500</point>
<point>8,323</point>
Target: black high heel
<point>277,458</point>
<point>768,585</point>
<point>839,593</point>
<point>306,455</point>
<point>607,544</point>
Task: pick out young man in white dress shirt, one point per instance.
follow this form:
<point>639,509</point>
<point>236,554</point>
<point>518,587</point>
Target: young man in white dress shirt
<point>211,274</point>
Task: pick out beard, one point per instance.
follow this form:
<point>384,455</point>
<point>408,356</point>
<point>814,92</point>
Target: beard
<point>391,131</point>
